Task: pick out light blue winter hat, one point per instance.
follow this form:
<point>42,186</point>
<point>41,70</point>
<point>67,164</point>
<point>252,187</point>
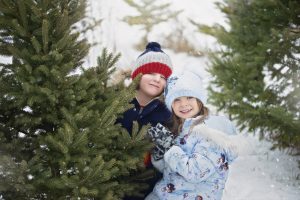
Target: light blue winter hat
<point>188,84</point>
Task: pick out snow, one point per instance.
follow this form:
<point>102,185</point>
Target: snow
<point>262,174</point>
<point>258,173</point>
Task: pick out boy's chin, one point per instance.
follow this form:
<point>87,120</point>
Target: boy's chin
<point>154,93</point>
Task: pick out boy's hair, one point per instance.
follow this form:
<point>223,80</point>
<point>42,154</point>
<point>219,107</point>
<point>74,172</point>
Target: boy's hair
<point>177,123</point>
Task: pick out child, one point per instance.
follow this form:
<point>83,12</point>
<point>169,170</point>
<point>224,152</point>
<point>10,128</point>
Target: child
<point>156,67</point>
<point>196,166</point>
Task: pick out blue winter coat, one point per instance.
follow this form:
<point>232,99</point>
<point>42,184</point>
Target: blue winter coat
<point>196,167</point>
<point>153,113</point>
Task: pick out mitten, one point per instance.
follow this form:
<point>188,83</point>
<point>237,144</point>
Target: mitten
<point>162,138</point>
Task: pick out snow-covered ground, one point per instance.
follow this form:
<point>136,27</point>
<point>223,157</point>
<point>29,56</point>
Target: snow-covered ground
<point>262,174</point>
<point>257,174</point>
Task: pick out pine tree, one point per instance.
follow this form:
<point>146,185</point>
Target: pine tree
<point>256,72</point>
<point>150,14</point>
<point>58,139</point>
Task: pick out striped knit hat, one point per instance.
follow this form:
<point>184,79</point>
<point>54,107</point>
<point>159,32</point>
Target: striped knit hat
<point>152,60</point>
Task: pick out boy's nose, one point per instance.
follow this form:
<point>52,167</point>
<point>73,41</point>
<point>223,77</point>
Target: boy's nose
<point>157,77</point>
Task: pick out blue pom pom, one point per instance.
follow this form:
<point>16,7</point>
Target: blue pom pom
<point>154,46</point>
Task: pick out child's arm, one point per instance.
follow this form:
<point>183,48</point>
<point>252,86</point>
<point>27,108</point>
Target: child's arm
<point>202,162</point>
<point>162,138</point>
<point>194,168</point>
<point>158,164</point>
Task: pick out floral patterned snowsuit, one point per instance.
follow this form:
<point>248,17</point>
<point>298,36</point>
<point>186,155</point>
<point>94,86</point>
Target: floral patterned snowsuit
<point>196,167</point>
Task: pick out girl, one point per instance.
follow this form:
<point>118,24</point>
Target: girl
<point>196,166</point>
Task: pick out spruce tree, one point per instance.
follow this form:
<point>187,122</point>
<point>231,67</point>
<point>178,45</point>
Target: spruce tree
<point>150,14</point>
<point>256,71</point>
<point>58,139</point>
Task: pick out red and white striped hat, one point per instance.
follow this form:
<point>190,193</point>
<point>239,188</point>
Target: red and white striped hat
<point>153,60</point>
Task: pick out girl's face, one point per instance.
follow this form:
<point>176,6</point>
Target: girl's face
<point>185,107</point>
<point>152,85</point>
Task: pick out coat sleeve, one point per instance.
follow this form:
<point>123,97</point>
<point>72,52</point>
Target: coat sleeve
<point>226,142</point>
<point>195,167</point>
<point>158,164</point>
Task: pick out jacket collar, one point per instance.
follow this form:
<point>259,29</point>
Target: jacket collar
<point>189,122</point>
<point>148,102</point>
<point>149,107</point>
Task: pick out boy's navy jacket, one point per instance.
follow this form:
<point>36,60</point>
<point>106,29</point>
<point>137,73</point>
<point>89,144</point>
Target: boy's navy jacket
<point>153,113</point>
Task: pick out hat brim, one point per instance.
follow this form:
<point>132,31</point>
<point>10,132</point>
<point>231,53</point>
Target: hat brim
<point>153,67</point>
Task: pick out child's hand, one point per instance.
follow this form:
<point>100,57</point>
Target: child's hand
<point>162,138</point>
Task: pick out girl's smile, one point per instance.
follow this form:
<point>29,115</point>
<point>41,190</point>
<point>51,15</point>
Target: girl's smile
<point>185,107</point>
<point>185,111</point>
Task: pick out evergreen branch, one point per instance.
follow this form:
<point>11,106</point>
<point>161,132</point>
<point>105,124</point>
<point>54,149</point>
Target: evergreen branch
<point>21,31</point>
<point>56,145</point>
<point>106,117</point>
<point>97,162</point>
<point>67,134</point>
<point>106,60</point>
<point>36,11</point>
<point>23,14</point>
<point>36,45</point>
<point>45,35</point>
<point>62,43</point>
<point>41,69</point>
<point>6,8</point>
<point>45,4</point>
<point>63,22</point>
<point>4,50</point>
<point>82,138</point>
<point>132,3</point>
<point>68,117</point>
<point>15,52</point>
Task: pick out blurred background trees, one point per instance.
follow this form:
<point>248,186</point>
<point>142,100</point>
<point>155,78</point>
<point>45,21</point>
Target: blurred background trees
<point>256,70</point>
<point>150,14</point>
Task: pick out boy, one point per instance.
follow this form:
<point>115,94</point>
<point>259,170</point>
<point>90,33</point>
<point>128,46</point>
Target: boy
<point>155,67</point>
